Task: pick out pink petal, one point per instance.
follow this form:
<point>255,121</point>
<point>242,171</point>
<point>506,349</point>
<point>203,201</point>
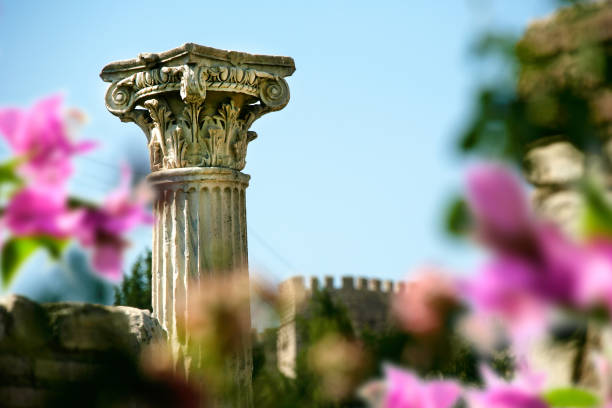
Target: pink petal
<point>498,203</point>
<point>107,260</point>
<point>39,212</point>
<point>10,121</point>
<point>84,146</point>
<point>420,306</point>
<point>405,390</point>
<point>443,394</point>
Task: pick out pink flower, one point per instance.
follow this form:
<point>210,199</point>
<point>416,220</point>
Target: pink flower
<point>40,211</point>
<point>534,266</point>
<point>405,390</point>
<point>500,208</point>
<point>595,287</point>
<point>40,135</point>
<point>421,306</point>
<point>522,392</point>
<point>104,228</point>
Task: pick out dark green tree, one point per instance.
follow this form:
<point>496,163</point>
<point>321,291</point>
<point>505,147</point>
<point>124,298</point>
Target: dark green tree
<point>135,289</point>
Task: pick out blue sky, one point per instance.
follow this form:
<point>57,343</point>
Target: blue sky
<point>352,176</point>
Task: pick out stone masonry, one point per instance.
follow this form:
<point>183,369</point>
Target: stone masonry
<point>366,300</point>
<point>45,348</point>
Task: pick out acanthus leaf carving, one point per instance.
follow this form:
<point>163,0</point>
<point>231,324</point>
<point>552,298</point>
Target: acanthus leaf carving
<point>185,125</point>
<point>161,116</point>
<point>194,139</point>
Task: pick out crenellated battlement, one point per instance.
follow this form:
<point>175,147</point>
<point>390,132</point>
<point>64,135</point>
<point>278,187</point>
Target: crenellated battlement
<point>366,300</point>
<point>347,283</point>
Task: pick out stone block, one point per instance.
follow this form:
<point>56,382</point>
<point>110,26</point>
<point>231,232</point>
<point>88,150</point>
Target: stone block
<point>88,327</point>
<point>563,207</point>
<point>556,163</point>
<point>142,326</point>
<point>51,371</point>
<point>362,283</point>
<point>24,397</point>
<point>347,283</point>
<point>15,370</point>
<point>23,323</point>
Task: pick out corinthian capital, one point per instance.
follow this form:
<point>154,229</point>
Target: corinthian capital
<point>195,103</point>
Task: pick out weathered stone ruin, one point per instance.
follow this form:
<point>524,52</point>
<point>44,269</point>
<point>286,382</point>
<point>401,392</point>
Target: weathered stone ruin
<point>46,348</point>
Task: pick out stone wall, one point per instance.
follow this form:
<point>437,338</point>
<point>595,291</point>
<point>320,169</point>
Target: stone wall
<point>46,348</point>
<point>366,301</point>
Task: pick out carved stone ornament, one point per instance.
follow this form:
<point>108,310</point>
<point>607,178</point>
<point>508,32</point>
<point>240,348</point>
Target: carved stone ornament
<point>195,103</point>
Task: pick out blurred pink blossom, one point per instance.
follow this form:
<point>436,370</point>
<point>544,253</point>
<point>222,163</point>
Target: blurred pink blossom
<point>40,211</point>
<point>103,228</point>
<point>522,392</point>
<point>421,306</point>
<point>596,275</point>
<point>530,255</point>
<point>406,390</point>
<point>485,332</point>
<point>534,267</point>
<point>40,135</point>
<point>497,201</point>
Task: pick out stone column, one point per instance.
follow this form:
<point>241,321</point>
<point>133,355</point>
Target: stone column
<point>195,105</point>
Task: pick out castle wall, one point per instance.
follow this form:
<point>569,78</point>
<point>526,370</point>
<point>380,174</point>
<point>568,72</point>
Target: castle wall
<point>366,300</point>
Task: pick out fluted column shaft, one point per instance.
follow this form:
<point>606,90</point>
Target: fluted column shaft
<point>200,229</point>
<point>199,232</point>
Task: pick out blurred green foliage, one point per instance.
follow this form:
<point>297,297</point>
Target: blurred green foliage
<point>597,214</point>
<point>457,220</point>
<point>274,389</point>
<point>135,289</point>
<point>445,354</point>
<point>550,84</point>
<point>543,87</point>
<point>16,250</point>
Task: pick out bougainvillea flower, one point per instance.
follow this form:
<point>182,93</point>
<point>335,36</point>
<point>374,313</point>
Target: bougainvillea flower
<point>596,275</point>
<point>40,135</point>
<point>406,390</point>
<point>534,266</point>
<point>40,211</point>
<point>522,392</point>
<point>421,306</point>
<point>498,204</point>
<point>104,228</point>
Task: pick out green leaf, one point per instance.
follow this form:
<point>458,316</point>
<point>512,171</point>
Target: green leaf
<point>17,249</point>
<point>53,245</point>
<point>77,202</point>
<point>597,213</point>
<point>457,217</point>
<point>8,173</point>
<point>570,398</point>
<point>14,253</point>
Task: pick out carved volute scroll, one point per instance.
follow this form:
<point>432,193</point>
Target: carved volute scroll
<point>196,104</point>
